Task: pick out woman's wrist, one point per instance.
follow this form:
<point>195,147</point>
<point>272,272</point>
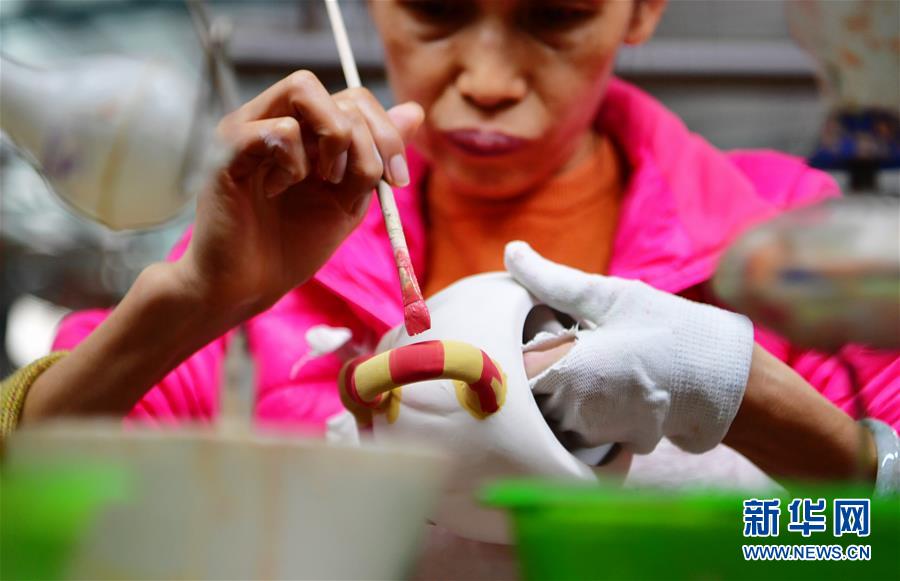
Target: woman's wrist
<point>196,314</point>
<point>223,297</point>
<point>791,431</point>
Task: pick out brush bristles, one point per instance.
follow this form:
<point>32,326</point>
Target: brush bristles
<point>416,317</point>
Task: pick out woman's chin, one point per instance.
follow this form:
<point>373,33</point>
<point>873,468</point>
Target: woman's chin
<point>494,181</point>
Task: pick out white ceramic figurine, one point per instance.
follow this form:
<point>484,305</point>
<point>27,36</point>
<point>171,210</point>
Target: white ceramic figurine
<point>494,314</point>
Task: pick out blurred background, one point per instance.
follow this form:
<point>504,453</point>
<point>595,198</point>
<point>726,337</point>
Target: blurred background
<point>739,72</point>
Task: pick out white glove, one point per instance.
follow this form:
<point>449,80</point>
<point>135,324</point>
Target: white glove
<point>645,364</point>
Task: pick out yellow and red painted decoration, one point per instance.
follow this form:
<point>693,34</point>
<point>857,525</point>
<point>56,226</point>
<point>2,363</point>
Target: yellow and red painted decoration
<point>371,384</point>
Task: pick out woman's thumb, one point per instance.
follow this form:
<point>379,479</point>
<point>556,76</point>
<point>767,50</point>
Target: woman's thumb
<point>407,118</point>
<point>563,288</point>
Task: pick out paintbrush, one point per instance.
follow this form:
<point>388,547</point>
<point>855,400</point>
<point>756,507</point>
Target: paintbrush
<point>416,318</point>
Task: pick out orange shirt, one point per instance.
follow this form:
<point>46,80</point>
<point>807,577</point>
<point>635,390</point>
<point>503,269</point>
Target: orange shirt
<point>571,219</point>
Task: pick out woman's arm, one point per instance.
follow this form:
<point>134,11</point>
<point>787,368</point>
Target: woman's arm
<point>789,430</point>
<point>160,322</point>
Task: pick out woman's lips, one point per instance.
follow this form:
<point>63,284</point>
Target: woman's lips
<point>484,143</point>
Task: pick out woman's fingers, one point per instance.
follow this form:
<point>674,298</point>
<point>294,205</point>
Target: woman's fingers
<point>295,125</point>
<point>407,118</point>
<point>388,139</point>
<point>542,359</point>
<point>274,146</point>
<point>364,166</point>
<point>302,96</point>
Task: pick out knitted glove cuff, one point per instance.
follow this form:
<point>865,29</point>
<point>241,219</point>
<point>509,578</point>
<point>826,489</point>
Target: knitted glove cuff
<point>714,349</point>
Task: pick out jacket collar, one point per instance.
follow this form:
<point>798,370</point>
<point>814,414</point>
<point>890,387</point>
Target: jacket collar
<point>665,236</point>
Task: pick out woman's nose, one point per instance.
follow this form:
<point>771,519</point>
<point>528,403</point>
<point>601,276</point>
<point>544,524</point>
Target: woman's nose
<point>491,77</point>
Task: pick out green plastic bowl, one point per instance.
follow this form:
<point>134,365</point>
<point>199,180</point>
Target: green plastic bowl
<point>45,509</point>
<point>570,531</point>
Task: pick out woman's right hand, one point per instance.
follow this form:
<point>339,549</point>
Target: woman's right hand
<point>304,166</point>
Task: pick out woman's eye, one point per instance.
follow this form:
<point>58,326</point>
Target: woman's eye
<point>555,17</point>
<point>437,12</point>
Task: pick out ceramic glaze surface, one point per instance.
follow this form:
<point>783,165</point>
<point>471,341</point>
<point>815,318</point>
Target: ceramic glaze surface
<point>487,311</point>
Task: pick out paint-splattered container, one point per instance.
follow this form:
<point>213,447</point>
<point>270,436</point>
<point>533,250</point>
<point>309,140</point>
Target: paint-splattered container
<point>582,532</point>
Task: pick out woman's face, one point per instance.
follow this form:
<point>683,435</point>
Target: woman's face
<point>509,87</point>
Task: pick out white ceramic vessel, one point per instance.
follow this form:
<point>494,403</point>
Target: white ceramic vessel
<point>489,312</point>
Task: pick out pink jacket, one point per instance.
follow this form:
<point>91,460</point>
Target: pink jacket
<point>685,201</point>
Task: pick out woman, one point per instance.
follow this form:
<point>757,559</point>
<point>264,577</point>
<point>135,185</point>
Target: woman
<point>526,135</point>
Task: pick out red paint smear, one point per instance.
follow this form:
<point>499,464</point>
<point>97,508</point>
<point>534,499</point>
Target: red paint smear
<point>417,362</point>
<point>416,317</point>
<point>482,388</point>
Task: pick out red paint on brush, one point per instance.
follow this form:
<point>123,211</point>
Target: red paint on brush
<point>417,362</point>
<point>416,317</point>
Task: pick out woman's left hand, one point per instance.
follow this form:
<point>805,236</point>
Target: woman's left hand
<point>645,364</point>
